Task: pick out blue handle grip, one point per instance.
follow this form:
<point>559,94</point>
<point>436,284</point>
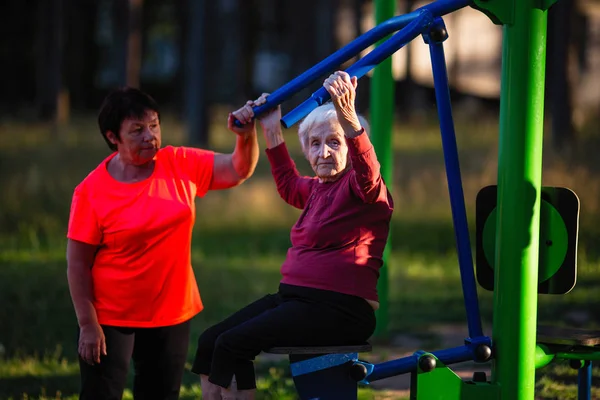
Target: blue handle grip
<point>259,110</point>
<point>237,123</point>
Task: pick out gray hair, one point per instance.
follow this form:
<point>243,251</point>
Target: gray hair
<point>319,115</point>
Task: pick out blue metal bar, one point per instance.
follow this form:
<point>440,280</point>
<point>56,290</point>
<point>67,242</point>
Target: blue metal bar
<point>327,65</point>
<point>393,368</point>
<point>408,364</point>
<point>440,8</point>
<point>321,362</point>
<point>435,38</point>
<point>584,382</point>
<point>362,66</point>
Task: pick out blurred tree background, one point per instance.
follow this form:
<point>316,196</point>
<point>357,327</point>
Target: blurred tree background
<point>62,56</point>
<point>201,59</point>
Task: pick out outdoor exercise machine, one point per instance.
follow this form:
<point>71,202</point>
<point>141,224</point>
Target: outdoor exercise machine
<point>526,234</point>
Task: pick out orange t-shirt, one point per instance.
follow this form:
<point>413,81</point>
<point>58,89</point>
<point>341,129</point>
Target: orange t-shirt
<point>142,274</point>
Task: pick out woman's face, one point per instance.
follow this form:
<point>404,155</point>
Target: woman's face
<point>139,139</point>
<point>326,150</point>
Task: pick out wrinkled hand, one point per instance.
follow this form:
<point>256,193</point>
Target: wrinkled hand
<point>271,118</point>
<point>342,89</point>
<point>245,115</point>
<point>92,343</point>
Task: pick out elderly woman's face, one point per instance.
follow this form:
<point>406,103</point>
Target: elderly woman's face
<point>327,151</point>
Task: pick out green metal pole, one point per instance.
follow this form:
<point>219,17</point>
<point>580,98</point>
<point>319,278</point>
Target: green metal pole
<point>519,183</point>
<point>382,116</point>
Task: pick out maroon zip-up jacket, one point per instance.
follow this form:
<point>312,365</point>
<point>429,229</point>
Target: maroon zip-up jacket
<point>338,240</point>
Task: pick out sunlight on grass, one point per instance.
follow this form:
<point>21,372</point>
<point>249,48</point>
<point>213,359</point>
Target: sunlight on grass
<point>29,366</point>
<point>433,270</point>
<point>427,136</point>
<point>235,263</point>
<point>548,387</point>
<point>41,255</point>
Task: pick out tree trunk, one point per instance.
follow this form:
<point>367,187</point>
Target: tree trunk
<point>49,54</point>
<point>128,32</point>
<point>325,20</point>
<point>134,43</point>
<point>558,83</point>
<point>81,53</point>
<point>196,106</point>
<point>412,99</point>
<point>302,39</point>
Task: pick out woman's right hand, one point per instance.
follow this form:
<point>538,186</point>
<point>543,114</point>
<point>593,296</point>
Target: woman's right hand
<point>271,118</point>
<point>245,116</point>
<point>92,343</point>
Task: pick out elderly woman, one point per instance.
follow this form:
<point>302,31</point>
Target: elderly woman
<point>328,293</point>
<point>128,251</point>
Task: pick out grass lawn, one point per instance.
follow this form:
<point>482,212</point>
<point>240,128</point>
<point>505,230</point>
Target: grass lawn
<point>240,240</point>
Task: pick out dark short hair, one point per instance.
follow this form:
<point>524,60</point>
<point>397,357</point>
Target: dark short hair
<point>121,104</point>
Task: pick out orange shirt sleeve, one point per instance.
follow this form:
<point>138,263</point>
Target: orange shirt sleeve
<point>83,222</point>
<point>198,165</point>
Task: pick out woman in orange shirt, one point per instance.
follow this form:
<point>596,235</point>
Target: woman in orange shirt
<point>128,253</point>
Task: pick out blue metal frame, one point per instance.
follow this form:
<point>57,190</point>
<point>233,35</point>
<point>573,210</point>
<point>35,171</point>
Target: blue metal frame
<point>423,21</point>
<point>330,376</point>
<point>321,362</point>
<point>435,9</point>
<point>434,36</point>
<point>467,352</point>
<point>584,382</point>
<point>455,188</point>
<point>364,65</point>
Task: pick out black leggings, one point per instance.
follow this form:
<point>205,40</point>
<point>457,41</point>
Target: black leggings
<point>295,316</point>
<point>159,356</point>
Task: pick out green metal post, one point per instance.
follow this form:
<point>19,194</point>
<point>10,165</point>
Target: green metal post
<point>382,116</point>
<point>519,184</point>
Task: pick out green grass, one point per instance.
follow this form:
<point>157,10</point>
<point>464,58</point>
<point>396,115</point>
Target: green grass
<point>240,240</point>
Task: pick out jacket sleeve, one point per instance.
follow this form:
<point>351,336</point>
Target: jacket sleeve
<point>292,187</point>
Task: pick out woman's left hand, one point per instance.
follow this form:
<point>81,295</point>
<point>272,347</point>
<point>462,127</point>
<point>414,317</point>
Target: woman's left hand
<point>342,89</point>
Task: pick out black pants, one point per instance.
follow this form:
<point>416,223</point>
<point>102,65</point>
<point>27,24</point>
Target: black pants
<point>159,356</point>
<point>295,316</point>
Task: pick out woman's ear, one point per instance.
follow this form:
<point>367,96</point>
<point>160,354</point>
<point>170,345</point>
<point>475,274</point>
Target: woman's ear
<point>112,137</point>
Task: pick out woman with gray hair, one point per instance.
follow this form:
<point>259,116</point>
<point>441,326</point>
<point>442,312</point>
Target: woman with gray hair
<point>328,292</point>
